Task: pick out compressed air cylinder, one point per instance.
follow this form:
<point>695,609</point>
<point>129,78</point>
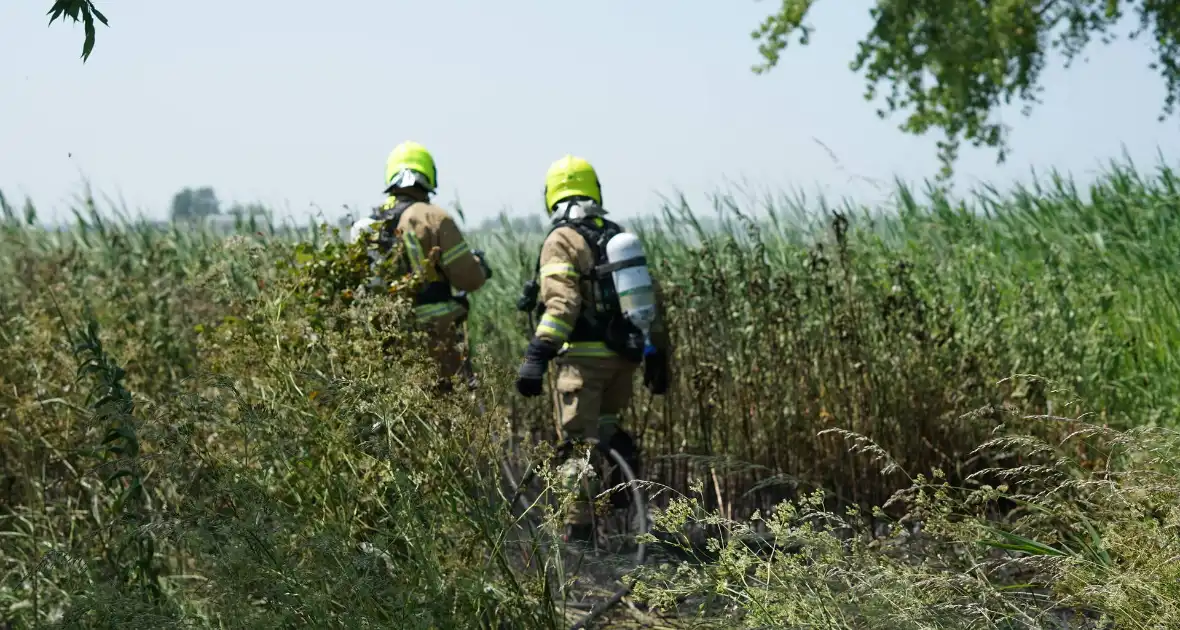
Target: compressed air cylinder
<point>360,228</point>
<point>633,283</point>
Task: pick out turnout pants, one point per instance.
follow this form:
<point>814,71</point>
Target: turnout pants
<point>590,392</point>
<point>448,347</point>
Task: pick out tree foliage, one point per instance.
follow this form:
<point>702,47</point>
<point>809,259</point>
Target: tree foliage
<point>951,64</point>
<point>195,203</point>
<point>79,11</point>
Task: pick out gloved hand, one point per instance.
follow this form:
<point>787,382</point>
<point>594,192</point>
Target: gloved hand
<point>483,263</point>
<point>655,372</point>
<point>536,360</point>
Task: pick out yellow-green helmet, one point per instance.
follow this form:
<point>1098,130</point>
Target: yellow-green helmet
<point>414,158</point>
<point>571,177</point>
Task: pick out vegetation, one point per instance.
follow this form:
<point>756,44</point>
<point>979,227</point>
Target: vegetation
<point>82,11</point>
<point>951,65</point>
<point>195,203</point>
<point>230,432</point>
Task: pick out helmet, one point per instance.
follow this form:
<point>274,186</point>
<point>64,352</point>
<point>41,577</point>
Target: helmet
<point>410,163</point>
<point>571,177</point>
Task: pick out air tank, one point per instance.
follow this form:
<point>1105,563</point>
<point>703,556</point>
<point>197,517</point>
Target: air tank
<point>359,228</point>
<point>633,285</point>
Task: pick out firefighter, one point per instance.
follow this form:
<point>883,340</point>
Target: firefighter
<point>581,329</point>
<point>434,248</point>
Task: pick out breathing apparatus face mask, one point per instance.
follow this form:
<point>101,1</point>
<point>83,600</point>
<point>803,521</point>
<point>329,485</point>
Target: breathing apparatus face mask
<point>575,208</point>
<point>407,178</point>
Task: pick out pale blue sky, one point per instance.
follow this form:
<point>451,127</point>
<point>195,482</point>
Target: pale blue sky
<point>298,107</point>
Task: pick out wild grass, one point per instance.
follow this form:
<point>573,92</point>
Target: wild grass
<point>937,414</point>
<point>893,323</point>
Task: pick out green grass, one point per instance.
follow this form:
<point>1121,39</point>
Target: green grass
<point>209,431</point>
<point>894,322</point>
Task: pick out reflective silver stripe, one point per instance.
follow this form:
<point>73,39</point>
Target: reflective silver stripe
<point>559,269</point>
<point>427,312</point>
<point>587,349</point>
<point>453,254</point>
<point>414,252</point>
<point>555,327</point>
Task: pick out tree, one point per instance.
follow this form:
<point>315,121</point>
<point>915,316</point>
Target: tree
<point>951,63</point>
<point>194,204</point>
<point>76,10</point>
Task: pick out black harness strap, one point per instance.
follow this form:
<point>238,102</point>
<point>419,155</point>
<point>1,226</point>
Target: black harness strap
<point>595,237</point>
<point>609,268</point>
<point>393,214</point>
<point>391,217</point>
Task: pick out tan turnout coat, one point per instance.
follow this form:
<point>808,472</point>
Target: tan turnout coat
<point>593,383</point>
<point>436,248</point>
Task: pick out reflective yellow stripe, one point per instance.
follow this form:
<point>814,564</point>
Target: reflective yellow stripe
<point>453,254</point>
<point>554,327</point>
<point>559,269</point>
<point>414,252</point>
<point>636,291</point>
<point>587,349</point>
<point>428,312</point>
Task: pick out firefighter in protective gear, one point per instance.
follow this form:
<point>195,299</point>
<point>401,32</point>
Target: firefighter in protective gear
<point>435,249</point>
<point>594,371</point>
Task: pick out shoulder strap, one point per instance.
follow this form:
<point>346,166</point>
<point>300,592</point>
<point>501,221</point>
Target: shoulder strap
<point>597,237</point>
<point>552,229</point>
<point>593,235</point>
<point>392,216</point>
<point>394,212</point>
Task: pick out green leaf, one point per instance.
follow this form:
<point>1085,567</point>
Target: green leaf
<point>118,475</point>
<point>951,66</point>
<point>61,8</point>
<point>98,14</point>
<point>1016,542</point>
<point>88,25</point>
<point>83,11</point>
<point>124,432</point>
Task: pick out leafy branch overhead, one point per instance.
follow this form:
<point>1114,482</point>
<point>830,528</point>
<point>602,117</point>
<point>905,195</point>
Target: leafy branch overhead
<point>951,65</point>
<point>79,10</point>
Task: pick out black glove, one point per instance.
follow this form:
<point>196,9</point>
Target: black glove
<point>536,360</point>
<point>655,372</point>
<point>483,263</point>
